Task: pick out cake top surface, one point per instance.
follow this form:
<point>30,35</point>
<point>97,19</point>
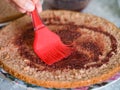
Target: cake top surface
<point>94,40</point>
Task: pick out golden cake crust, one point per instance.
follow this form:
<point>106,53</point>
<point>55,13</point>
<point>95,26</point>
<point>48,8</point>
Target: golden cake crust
<point>16,65</point>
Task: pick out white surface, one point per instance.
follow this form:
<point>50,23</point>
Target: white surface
<point>108,9</point>
<point>115,85</point>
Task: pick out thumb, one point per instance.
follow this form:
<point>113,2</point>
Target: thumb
<point>39,7</point>
<point>27,5</point>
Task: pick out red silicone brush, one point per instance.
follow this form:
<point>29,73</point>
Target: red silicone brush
<point>48,45</point>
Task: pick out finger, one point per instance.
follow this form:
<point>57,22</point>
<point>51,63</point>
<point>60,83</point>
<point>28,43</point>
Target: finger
<point>35,1</point>
<point>21,10</point>
<point>39,7</point>
<point>28,13</point>
<point>27,5</point>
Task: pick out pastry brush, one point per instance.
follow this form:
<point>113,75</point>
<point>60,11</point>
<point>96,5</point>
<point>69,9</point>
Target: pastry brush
<point>47,44</point>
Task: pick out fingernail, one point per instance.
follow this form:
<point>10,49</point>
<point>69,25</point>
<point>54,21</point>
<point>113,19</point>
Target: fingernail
<point>29,6</point>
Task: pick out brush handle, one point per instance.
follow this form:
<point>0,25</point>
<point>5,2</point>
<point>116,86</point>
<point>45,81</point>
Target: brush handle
<point>36,20</point>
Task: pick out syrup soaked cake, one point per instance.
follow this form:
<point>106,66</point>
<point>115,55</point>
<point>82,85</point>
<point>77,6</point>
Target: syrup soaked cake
<point>95,57</point>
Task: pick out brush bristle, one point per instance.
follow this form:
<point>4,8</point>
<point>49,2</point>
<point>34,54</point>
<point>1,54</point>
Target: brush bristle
<point>56,53</point>
<point>49,47</point>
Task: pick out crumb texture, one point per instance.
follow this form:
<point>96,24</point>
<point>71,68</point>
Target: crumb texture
<point>95,43</point>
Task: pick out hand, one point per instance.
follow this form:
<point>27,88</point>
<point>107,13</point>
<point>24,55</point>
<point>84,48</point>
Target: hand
<point>26,6</point>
